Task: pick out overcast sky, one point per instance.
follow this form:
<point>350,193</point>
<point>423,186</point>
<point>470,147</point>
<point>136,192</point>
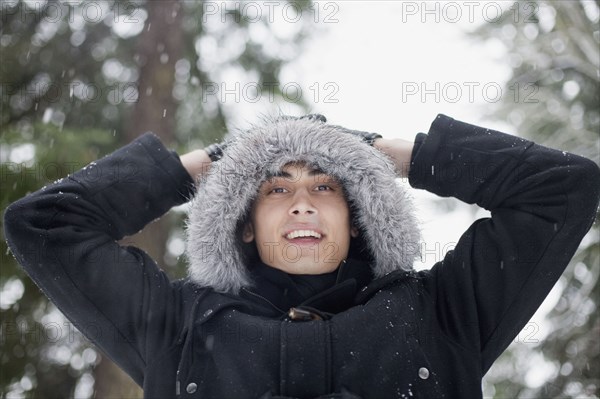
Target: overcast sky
<point>394,72</point>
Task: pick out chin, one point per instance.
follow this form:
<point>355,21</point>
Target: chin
<point>310,267</point>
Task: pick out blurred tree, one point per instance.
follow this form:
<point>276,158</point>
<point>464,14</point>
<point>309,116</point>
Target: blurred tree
<point>158,47</point>
<point>553,98</point>
<point>42,355</point>
<point>79,79</point>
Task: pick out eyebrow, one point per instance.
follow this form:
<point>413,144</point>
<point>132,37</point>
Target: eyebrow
<point>284,174</point>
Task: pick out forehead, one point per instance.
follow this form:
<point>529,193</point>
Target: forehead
<point>296,170</point>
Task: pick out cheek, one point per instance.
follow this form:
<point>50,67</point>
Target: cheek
<point>265,221</point>
<point>342,210</point>
<point>338,216</point>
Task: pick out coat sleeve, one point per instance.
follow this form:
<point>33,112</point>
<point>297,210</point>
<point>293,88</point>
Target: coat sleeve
<point>542,202</point>
<point>65,234</point>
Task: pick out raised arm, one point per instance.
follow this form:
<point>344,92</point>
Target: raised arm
<point>65,237</point>
<point>542,203</point>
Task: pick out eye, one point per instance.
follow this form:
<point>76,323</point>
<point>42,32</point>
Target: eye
<point>324,187</point>
<point>278,190</point>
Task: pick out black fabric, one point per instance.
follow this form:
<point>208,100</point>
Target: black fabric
<point>426,334</point>
<point>330,292</point>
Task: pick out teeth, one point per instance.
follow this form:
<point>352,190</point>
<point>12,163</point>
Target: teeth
<point>303,233</point>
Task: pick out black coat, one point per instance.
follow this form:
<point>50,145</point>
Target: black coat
<point>424,334</point>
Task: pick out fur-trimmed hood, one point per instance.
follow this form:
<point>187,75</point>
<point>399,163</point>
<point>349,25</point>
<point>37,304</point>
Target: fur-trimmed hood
<point>383,211</point>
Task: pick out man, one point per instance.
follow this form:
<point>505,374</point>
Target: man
<point>300,246</point>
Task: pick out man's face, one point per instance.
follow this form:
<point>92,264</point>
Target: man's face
<point>301,222</point>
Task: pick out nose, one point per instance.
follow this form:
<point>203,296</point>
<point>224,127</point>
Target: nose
<point>302,204</point>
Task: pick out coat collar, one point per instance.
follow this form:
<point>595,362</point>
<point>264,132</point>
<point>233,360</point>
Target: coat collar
<point>330,293</point>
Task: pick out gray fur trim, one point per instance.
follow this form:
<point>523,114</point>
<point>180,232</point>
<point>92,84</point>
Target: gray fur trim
<point>384,214</point>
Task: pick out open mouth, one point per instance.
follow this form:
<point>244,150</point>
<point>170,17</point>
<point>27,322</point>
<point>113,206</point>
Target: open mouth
<point>304,237</point>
